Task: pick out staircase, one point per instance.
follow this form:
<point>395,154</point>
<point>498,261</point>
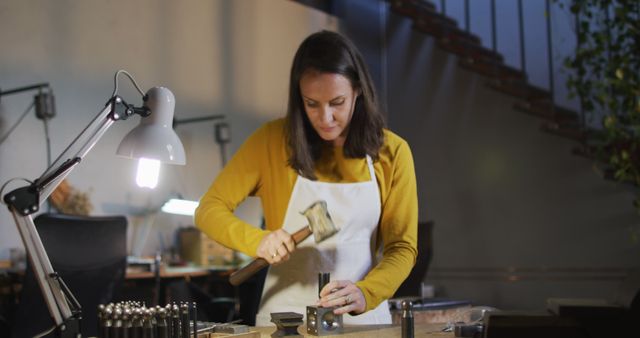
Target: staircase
<point>473,56</point>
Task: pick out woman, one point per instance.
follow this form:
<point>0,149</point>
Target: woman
<point>331,146</point>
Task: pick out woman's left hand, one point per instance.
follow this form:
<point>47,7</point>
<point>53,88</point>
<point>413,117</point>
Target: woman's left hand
<point>344,295</point>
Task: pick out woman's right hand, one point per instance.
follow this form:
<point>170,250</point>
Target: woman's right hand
<point>276,246</point>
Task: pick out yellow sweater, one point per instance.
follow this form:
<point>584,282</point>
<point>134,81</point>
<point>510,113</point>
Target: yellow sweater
<point>259,168</point>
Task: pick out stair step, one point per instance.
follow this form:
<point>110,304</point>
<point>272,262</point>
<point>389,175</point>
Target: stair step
<point>434,24</point>
<point>521,89</point>
<point>436,30</point>
<point>544,109</point>
<point>411,8</point>
<point>496,70</point>
<point>459,36</point>
<point>470,51</point>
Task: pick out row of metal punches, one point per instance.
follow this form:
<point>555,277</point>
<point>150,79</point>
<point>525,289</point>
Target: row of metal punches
<point>135,320</point>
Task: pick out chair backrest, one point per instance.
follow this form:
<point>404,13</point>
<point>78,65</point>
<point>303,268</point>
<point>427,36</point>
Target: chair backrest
<point>411,286</point>
<point>90,254</point>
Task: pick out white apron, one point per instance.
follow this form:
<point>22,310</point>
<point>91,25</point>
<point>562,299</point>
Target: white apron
<point>347,255</point>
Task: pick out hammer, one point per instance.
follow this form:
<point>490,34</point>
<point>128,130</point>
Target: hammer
<point>320,225</point>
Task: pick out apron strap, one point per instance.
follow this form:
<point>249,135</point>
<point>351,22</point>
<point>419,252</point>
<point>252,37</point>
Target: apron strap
<point>372,172</point>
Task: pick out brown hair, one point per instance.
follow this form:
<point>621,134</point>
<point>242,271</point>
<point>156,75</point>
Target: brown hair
<point>330,52</point>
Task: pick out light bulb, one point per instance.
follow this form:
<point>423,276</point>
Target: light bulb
<point>148,172</point>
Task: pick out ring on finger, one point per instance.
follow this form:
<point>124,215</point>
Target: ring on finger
<point>347,300</point>
<point>274,255</point>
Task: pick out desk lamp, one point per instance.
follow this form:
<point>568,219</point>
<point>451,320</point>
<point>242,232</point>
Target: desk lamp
<point>154,138</point>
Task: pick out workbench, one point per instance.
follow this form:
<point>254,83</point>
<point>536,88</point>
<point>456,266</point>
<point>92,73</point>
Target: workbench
<point>361,331</point>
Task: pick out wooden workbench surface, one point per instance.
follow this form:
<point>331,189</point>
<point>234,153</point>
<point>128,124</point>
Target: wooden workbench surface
<point>367,331</point>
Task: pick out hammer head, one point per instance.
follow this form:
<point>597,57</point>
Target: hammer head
<point>320,221</point>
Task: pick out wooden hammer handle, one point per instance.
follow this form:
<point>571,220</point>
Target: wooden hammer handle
<point>247,271</point>
<point>258,264</point>
<point>301,234</point>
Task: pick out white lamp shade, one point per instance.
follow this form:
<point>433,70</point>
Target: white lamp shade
<point>154,137</point>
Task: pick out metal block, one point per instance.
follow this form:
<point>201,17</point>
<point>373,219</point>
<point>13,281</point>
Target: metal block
<point>321,321</point>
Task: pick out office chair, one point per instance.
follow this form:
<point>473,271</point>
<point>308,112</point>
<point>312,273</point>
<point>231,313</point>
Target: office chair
<point>411,287</point>
<point>90,254</point>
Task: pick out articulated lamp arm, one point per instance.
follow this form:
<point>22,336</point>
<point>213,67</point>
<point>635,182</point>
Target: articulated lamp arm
<point>25,201</point>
